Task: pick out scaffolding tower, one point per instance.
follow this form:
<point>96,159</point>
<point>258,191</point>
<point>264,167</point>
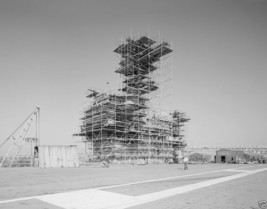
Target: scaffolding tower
<point>122,126</point>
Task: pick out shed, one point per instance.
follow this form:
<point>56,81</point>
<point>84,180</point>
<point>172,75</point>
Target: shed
<point>58,156</point>
<point>229,156</point>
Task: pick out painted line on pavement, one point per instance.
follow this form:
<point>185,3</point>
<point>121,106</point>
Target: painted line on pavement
<point>240,171</point>
<point>169,178</point>
<point>99,199</point>
<point>126,184</point>
<point>118,185</point>
<point>180,190</point>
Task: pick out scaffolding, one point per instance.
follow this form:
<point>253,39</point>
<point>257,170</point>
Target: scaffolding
<point>122,126</point>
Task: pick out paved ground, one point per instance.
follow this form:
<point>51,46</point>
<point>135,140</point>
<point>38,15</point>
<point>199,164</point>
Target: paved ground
<point>237,194</point>
<point>151,186</point>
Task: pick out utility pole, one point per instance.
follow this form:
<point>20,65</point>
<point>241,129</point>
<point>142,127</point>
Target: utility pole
<point>38,126</point>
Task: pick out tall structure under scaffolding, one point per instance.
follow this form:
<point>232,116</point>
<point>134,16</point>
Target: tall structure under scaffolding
<point>122,126</point>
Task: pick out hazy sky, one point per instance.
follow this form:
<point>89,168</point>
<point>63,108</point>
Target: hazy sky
<point>52,51</point>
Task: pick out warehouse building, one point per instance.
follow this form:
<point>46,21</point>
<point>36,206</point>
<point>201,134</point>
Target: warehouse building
<point>229,156</point>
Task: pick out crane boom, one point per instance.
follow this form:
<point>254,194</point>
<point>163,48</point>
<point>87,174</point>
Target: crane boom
<point>17,138</point>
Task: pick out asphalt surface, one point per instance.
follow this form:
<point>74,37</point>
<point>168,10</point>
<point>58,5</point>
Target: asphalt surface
<point>128,181</point>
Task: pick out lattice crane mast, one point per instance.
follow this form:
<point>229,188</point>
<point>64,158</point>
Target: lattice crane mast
<point>18,138</point>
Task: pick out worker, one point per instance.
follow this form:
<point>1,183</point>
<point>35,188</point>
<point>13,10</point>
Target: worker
<point>185,161</point>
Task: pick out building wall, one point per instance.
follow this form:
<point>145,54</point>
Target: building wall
<point>231,156</point>
<point>212,149</point>
<point>58,156</point>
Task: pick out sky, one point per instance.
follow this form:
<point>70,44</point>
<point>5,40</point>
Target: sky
<point>52,51</point>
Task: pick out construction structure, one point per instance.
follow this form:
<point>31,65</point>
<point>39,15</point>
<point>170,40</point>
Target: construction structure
<point>122,126</point>
<point>211,150</point>
<point>20,150</point>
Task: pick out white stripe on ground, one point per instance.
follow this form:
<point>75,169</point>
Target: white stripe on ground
<point>18,199</point>
<point>127,184</point>
<point>246,171</point>
<point>120,185</point>
<point>87,199</point>
<point>98,199</point>
<point>161,179</point>
<point>169,178</point>
<point>179,190</point>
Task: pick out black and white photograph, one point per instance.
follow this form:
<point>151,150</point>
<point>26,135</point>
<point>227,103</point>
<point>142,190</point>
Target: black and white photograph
<point>133,104</point>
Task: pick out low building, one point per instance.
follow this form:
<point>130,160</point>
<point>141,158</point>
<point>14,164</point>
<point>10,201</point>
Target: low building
<point>58,156</point>
<point>229,156</point>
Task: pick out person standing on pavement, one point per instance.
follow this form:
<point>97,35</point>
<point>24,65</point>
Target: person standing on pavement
<point>185,161</point>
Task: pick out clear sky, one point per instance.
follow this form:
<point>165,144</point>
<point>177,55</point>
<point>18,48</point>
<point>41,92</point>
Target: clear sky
<point>51,51</point>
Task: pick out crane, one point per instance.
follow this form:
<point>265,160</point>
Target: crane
<point>18,138</point>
